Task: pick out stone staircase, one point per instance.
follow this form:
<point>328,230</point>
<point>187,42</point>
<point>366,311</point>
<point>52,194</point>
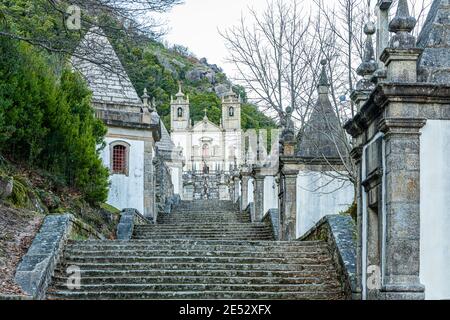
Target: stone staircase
<point>203,250</point>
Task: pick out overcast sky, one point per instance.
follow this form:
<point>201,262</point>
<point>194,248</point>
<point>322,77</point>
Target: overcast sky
<point>195,25</point>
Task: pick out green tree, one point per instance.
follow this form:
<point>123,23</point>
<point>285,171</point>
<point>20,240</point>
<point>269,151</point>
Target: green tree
<point>47,120</point>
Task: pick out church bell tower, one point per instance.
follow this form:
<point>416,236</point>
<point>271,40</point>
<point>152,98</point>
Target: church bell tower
<point>231,111</point>
<point>179,112</point>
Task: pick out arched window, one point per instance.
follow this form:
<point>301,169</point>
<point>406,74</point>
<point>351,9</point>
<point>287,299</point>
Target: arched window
<point>119,157</point>
<point>205,150</point>
<point>180,112</point>
<point>231,112</point>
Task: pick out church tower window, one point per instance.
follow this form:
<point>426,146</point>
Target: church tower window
<point>119,158</point>
<point>180,112</point>
<point>231,112</point>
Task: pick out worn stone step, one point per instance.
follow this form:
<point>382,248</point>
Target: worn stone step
<point>203,287</point>
<point>205,230</point>
<point>194,253</point>
<point>85,272</point>
<point>203,215</point>
<point>200,226</point>
<point>206,234</point>
<point>192,259</point>
<point>197,248</point>
<point>176,222</point>
<point>210,295</point>
<point>211,244</point>
<point>200,266</point>
<point>185,220</point>
<point>207,237</point>
<point>187,237</point>
<point>61,281</point>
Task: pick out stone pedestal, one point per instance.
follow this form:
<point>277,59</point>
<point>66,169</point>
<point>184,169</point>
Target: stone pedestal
<point>401,64</point>
<point>259,196</point>
<point>245,178</point>
<point>288,203</point>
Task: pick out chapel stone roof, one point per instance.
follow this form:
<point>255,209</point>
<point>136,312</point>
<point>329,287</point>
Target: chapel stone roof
<point>434,65</point>
<point>103,70</point>
<point>165,144</point>
<point>318,139</point>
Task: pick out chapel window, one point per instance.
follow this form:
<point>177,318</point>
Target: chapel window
<point>119,158</point>
<point>205,151</point>
<point>180,112</point>
<point>231,112</point>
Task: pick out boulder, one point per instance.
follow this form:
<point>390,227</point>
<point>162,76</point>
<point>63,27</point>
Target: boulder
<point>211,76</point>
<point>6,187</point>
<point>222,89</point>
<point>194,75</point>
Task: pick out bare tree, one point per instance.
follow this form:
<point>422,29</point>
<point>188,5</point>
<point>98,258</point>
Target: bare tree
<point>279,57</point>
<point>133,17</point>
<point>271,51</point>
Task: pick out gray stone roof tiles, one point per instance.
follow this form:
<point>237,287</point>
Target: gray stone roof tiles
<point>320,138</point>
<point>434,64</point>
<point>103,70</point>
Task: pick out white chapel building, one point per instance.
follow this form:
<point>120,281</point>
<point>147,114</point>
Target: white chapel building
<point>207,147</point>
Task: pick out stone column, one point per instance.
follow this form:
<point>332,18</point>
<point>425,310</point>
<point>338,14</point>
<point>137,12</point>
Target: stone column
<point>357,157</point>
<point>402,170</point>
<point>402,256</point>
<point>288,206</point>
<point>149,185</point>
<point>245,178</point>
<point>258,197</point>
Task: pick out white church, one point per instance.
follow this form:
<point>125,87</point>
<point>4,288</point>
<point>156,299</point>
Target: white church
<point>207,147</point>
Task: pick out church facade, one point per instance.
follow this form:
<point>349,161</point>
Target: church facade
<point>207,147</point>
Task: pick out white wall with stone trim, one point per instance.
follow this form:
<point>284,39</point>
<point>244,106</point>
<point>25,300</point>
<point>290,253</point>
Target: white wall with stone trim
<point>270,194</point>
<point>319,195</point>
<point>127,191</point>
<point>435,209</point>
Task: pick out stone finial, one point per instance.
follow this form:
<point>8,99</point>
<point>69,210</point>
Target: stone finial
<point>402,25</point>
<point>323,81</point>
<point>368,66</point>
<point>145,97</point>
<point>153,105</point>
<point>180,92</point>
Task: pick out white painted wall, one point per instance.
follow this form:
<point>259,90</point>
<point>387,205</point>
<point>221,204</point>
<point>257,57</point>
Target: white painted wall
<point>250,190</point>
<point>175,173</point>
<point>270,194</point>
<point>435,209</point>
<point>127,192</point>
<point>319,195</point>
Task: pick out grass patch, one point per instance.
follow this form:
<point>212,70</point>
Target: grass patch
<point>110,208</point>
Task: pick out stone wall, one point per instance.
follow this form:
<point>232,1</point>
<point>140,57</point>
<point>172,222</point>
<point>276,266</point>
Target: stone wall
<point>164,190</point>
<point>340,234</point>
